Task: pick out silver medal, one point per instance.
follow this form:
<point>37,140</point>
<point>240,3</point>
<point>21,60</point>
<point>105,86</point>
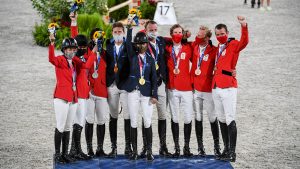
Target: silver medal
<point>95,75</point>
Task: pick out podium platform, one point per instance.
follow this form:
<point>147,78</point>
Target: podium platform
<point>208,162</point>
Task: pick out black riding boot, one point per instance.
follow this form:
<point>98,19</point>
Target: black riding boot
<point>100,139</point>
<point>148,133</point>
<point>175,132</point>
<point>199,136</point>
<point>187,136</point>
<point>144,150</point>
<point>113,137</point>
<point>65,146</point>
<point>215,133</point>
<point>128,149</point>
<point>57,144</point>
<point>133,140</point>
<point>89,129</point>
<point>224,132</point>
<point>232,132</point>
<point>162,129</point>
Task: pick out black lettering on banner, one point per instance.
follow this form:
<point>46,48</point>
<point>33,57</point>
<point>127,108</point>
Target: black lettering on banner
<point>162,9</point>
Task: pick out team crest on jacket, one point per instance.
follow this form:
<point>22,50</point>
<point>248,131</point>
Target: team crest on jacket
<point>224,53</point>
<point>205,58</point>
<point>182,56</point>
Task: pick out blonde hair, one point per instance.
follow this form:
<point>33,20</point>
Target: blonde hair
<point>207,31</point>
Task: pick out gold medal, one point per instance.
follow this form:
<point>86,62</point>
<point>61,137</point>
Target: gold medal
<point>156,66</point>
<point>176,71</point>
<point>116,69</point>
<point>142,81</point>
<point>198,71</point>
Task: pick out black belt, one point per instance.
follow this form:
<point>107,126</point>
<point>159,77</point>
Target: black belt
<point>225,72</point>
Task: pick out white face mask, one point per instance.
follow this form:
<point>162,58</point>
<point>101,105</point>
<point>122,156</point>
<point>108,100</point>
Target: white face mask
<point>118,38</point>
<point>152,35</point>
<point>70,55</point>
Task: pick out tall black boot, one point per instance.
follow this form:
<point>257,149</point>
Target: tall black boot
<point>232,132</point>
<point>73,150</point>
<point>215,133</point>
<point>224,132</point>
<point>175,132</point>
<point>100,139</point>
<point>65,146</point>
<point>113,137</point>
<point>199,136</point>
<point>245,2</point>
<point>252,3</point>
<point>187,136</point>
<point>57,143</point>
<point>148,133</point>
<point>80,155</point>
<point>133,140</point>
<point>144,150</point>
<point>89,129</point>
<point>128,149</point>
<point>162,129</point>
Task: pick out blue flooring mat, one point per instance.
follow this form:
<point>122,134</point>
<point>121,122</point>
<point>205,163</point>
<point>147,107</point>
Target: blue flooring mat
<point>159,162</point>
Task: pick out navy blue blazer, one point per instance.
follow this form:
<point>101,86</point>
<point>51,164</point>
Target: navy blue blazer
<point>161,60</point>
<point>123,65</point>
<point>150,87</point>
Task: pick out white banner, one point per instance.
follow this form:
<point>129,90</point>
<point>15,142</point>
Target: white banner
<point>165,14</point>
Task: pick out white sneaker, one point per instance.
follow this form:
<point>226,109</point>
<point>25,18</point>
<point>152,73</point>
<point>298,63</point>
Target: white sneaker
<point>269,8</point>
<point>262,9</point>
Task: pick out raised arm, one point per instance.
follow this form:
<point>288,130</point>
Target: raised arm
<point>74,27</point>
<point>244,33</point>
<point>52,59</point>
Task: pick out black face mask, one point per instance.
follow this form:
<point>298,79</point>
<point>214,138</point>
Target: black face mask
<point>80,52</point>
<point>140,48</point>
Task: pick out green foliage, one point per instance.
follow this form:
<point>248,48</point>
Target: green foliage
<point>86,23</point>
<point>94,6</point>
<point>41,35</point>
<point>147,10</point>
<point>122,13</point>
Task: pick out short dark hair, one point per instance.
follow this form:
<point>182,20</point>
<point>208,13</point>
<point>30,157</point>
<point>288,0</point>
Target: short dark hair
<point>220,26</point>
<point>118,25</point>
<point>150,22</point>
<point>174,27</point>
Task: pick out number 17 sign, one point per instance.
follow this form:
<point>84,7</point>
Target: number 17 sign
<point>165,14</point>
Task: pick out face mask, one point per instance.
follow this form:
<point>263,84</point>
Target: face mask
<point>140,48</point>
<point>80,52</point>
<point>200,40</point>
<point>222,39</point>
<point>152,35</point>
<point>177,38</point>
<point>69,55</point>
<point>118,38</point>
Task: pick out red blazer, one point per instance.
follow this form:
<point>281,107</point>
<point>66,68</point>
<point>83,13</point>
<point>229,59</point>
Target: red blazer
<point>82,83</point>
<point>98,85</point>
<point>64,82</point>
<point>203,81</point>
<point>181,81</point>
<point>228,61</point>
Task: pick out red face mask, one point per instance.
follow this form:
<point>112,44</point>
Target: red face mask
<point>199,40</point>
<point>177,38</point>
<point>222,39</point>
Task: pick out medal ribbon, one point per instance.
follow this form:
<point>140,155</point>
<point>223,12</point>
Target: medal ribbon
<point>142,64</point>
<point>73,74</point>
<point>201,57</point>
<point>219,54</point>
<point>96,65</point>
<point>176,59</point>
<point>152,53</point>
<point>116,56</point>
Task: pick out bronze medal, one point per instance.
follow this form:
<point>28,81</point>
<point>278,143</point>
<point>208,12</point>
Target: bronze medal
<point>116,69</point>
<point>176,71</point>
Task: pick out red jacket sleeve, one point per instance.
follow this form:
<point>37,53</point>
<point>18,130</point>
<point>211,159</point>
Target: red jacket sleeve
<point>74,31</point>
<point>52,59</point>
<point>85,65</point>
<point>244,38</point>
